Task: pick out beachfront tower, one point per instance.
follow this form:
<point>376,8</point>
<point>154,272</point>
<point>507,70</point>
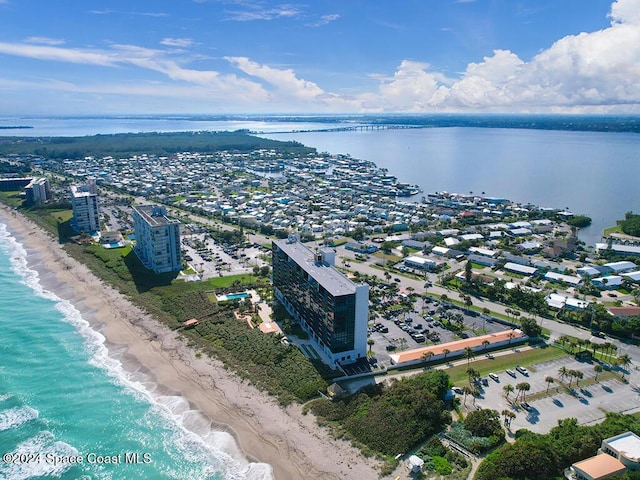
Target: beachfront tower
<point>157,239</point>
<point>330,308</point>
<point>86,216</point>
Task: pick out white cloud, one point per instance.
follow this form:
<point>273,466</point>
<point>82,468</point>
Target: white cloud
<point>595,71</point>
<point>177,42</point>
<point>589,71</point>
<point>324,20</point>
<point>256,11</point>
<point>44,40</point>
<point>625,11</point>
<point>285,82</point>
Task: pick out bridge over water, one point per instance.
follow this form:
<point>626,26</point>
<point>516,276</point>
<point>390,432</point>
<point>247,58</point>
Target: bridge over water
<point>349,128</point>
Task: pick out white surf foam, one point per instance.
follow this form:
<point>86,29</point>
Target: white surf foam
<point>43,444</point>
<point>225,454</point>
<point>14,417</point>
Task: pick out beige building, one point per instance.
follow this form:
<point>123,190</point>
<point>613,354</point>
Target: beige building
<point>616,454</point>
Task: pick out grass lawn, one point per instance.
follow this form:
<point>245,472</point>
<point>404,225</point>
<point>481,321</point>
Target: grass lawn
<point>610,230</point>
<point>387,257</point>
<point>458,374</point>
<point>13,199</point>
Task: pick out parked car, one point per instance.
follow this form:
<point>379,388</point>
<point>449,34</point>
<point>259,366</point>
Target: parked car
<point>512,373</point>
<point>484,381</point>
<point>525,405</point>
<point>457,390</point>
<point>522,370</point>
<point>494,376</point>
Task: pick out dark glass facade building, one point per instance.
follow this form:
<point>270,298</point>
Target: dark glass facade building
<point>329,306</point>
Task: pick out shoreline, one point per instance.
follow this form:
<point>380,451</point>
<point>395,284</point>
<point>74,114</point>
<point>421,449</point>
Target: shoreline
<point>290,442</point>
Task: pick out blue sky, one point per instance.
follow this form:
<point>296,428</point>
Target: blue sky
<point>330,56</point>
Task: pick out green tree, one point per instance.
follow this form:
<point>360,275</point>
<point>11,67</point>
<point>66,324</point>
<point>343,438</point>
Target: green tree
<point>625,361</point>
<point>469,354</point>
<point>549,380</point>
<point>468,271</point>
<point>598,369</point>
<point>483,423</point>
<point>508,389</point>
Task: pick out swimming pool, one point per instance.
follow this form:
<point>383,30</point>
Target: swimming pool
<point>236,296</point>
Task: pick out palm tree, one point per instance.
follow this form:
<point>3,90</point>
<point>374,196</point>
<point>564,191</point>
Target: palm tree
<point>571,374</point>
<point>511,336</point>
<point>466,390</point>
<point>370,342</point>
<point>564,339</point>
<point>564,372</point>
<point>445,352</point>
<point>598,369</point>
<point>507,389</point>
<point>511,416</point>
<point>522,388</point>
<point>472,374</point>
<point>579,376</point>
<point>485,344</point>
<point>625,361</point>
<point>468,354</point>
<point>549,381</point>
<point>426,356</point>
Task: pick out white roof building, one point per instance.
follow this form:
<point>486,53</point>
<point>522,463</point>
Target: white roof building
<point>572,280</point>
<point>440,250</point>
<point>633,276</point>
<point>522,269</point>
<point>621,267</point>
<point>588,271</point>
<point>485,252</point>
<point>450,241</point>
<point>609,283</point>
<point>472,236</point>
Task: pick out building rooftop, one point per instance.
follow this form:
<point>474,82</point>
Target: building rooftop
<point>327,276</point>
<point>154,215</point>
<point>600,466</point>
<point>627,444</point>
<point>455,346</point>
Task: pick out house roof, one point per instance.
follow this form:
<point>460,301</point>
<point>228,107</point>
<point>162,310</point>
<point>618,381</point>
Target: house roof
<point>600,466</point>
<point>624,311</point>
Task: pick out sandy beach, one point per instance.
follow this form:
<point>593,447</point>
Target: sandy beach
<point>289,441</point>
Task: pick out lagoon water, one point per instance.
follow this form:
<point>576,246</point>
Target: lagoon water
<point>590,173</point>
<point>63,394</point>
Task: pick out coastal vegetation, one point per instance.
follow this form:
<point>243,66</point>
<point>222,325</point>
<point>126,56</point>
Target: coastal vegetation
<point>126,144</point>
<point>579,221</point>
<point>390,419</point>
<point>631,224</point>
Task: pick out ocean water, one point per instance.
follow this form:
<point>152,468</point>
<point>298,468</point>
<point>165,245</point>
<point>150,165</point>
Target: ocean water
<point>69,410</point>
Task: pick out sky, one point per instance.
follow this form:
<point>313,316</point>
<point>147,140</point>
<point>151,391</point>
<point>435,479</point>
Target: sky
<point>328,56</point>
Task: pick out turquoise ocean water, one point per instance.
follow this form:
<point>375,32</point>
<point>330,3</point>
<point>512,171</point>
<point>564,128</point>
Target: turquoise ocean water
<point>64,398</point>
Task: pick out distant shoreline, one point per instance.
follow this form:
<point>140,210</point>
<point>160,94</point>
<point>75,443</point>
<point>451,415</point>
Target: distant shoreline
<point>17,127</point>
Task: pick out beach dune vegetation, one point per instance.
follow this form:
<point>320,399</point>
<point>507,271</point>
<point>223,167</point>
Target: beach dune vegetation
<point>390,419</point>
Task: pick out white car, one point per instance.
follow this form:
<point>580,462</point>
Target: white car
<point>522,370</point>
<point>494,376</point>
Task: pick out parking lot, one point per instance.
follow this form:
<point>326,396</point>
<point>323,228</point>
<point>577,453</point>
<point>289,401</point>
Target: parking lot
<point>213,260</point>
<point>414,330</point>
<point>587,404</point>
